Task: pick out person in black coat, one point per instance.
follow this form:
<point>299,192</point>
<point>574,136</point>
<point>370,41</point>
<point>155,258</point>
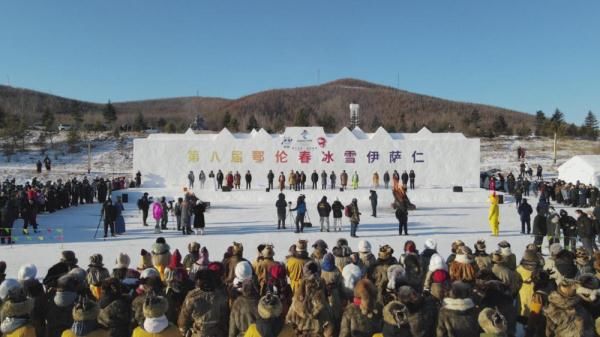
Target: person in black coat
<point>386,179</point>
<point>109,212</point>
<point>219,179</point>
<point>324,210</point>
<point>144,205</point>
<point>9,213</point>
<point>568,224</point>
<point>199,223</point>
<point>373,199</point>
<point>539,229</point>
<point>338,210</point>
<point>323,180</point>
<point>314,178</point>
<point>102,191</point>
<point>38,166</point>
<point>585,230</point>
<point>48,163</point>
<point>525,211</point>
<point>411,176</point>
<point>138,179</point>
<point>248,178</point>
<point>404,178</point>
<point>281,206</point>
<point>402,216</point>
<point>270,177</point>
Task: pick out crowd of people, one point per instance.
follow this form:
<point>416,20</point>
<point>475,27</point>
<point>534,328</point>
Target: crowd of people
<point>297,180</point>
<point>35,197</point>
<point>327,291</point>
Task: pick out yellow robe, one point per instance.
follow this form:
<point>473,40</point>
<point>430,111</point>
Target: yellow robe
<point>494,215</point>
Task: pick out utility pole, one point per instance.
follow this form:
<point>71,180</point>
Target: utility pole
<point>555,136</point>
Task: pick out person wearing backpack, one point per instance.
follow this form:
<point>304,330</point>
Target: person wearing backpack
<point>337,209</point>
<point>353,213</point>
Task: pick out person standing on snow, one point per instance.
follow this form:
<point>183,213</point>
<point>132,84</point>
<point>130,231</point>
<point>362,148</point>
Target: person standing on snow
<point>219,179</point>
<point>191,179</point>
<point>248,179</point>
<point>38,166</point>
<point>354,217</point>
<point>323,180</point>
<point>494,214</point>
<point>144,205</point>
<point>48,163</point>
<point>270,178</point>
<point>411,177</point>
<point>157,215</point>
<point>300,213</point>
<point>338,210</point>
<point>211,175</point>
<point>202,179</point>
<point>386,179</point>
<point>525,211</point>
<point>373,198</point>
<point>314,178</point>
<point>355,180</point>
<point>281,206</point>
<point>324,210</point>
<point>110,214</point>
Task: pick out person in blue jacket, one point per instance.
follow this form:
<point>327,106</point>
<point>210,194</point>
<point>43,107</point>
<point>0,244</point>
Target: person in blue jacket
<point>300,213</point>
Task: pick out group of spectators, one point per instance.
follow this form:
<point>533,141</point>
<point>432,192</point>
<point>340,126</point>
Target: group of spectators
<point>35,197</point>
<point>328,291</point>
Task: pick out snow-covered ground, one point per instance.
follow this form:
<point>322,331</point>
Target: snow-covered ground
<point>249,217</point>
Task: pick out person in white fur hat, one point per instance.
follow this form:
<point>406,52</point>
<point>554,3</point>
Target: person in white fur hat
<point>365,255</point>
<point>428,251</point>
<point>243,272</point>
<point>26,272</point>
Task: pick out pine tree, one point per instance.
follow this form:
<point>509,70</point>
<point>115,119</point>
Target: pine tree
<point>500,125</point>
<point>590,126</point>
<point>109,113</point>
<point>139,124</point>
<point>77,119</point>
<point>227,120</point>
<point>301,118</point>
<point>375,123</point>
<point>557,127</point>
<point>49,123</point>
<point>252,123</point>
<point>540,121</point>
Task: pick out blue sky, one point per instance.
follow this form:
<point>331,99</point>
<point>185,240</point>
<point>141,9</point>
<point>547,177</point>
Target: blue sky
<point>524,55</point>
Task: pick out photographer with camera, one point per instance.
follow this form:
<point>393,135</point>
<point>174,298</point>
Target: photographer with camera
<point>300,213</point>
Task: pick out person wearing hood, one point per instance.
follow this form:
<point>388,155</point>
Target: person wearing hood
<point>583,262</point>
<point>281,206</point>
<point>456,244</point>
<point>378,271</point>
<point>395,321</point>
<point>510,278</point>
<point>192,256</point>
<point>16,314</point>
<point>96,273</point>
<point>362,317</point>
<point>565,315</point>
<point>277,284</point>
<point>338,210</point>
<point>85,324</point>
<point>589,292</point>
<point>373,199</point>
<point>351,274</point>
<point>115,309</point>
<point>525,211</point>
<point>243,272</point>
<point>156,323</point>
<point>34,290</point>
<point>319,251</point>
<point>109,213</point>
<point>413,273</point>
<point>364,253</point>
<point>528,266</point>
<point>401,214</point>
<point>150,283</point>
<point>494,214</point>
<point>482,259</point>
<point>437,279</point>
<point>295,264</point>
<point>569,228</point>
<point>324,210</point>
<point>334,283</point>
<point>309,313</point>
<point>59,315</point>
<point>354,217</point>
<point>263,267</point>
<point>161,256</point>
<point>342,253</point>
<point>244,310</point>
<point>458,315</point>
<point>509,257</point>
<point>492,293</point>
<point>463,268</point>
<point>122,271</point>
<point>585,231</point>
<point>269,322</point>
<point>553,227</point>
<point>430,248</point>
<point>205,310</point>
<point>67,262</point>
<point>231,262</point>
<point>421,311</point>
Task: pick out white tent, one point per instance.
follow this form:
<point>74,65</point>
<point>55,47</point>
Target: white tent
<point>585,169</point>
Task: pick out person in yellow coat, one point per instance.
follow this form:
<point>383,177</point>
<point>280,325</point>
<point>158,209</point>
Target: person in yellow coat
<point>529,264</point>
<point>494,214</point>
<point>156,323</point>
<point>16,315</point>
<point>85,316</point>
<point>295,264</point>
<point>269,322</point>
<point>375,180</point>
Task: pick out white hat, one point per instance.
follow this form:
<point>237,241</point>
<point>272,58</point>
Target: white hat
<point>123,261</point>
<point>26,272</point>
<point>243,271</point>
<point>149,273</point>
<point>351,274</point>
<point>436,263</point>
<point>6,287</point>
<point>431,244</point>
<point>364,246</point>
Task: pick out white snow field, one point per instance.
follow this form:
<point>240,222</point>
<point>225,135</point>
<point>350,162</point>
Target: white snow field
<point>250,217</point>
